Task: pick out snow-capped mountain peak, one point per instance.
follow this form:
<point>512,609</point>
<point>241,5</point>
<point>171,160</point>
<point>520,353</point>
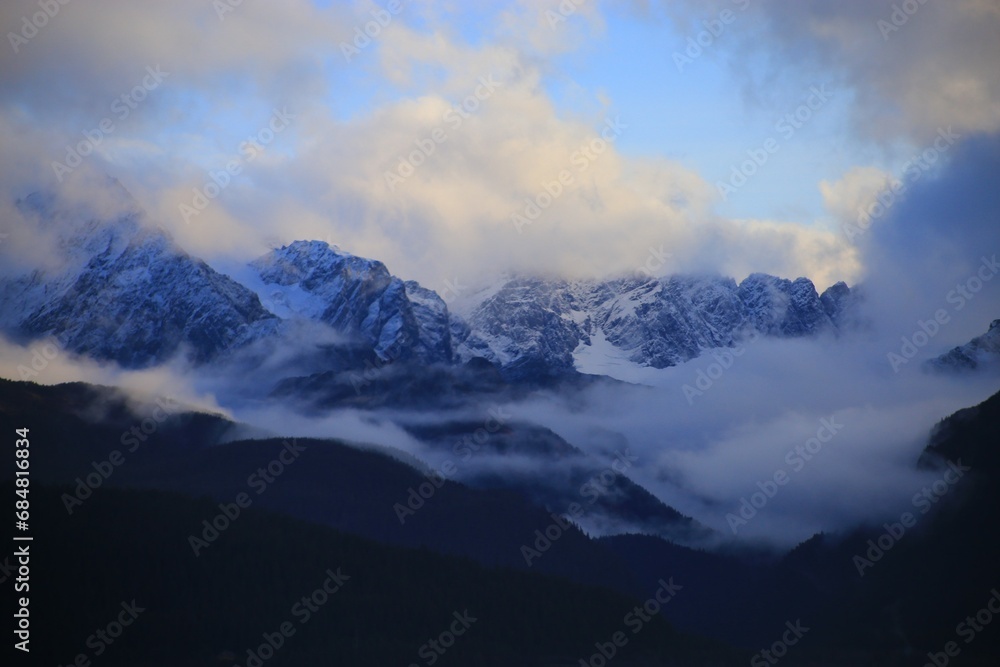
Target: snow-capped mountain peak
<point>124,291</point>
<point>359,297</point>
<point>532,324</point>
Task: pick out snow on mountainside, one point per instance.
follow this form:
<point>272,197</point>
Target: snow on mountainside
<point>126,293</point>
<point>528,324</point>
<point>529,327</point>
<point>358,296</point>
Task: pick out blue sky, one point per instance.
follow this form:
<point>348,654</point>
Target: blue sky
<point>337,171</point>
<point>698,114</point>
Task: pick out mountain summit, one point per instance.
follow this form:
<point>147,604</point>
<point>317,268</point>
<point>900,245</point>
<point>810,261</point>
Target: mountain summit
<point>125,292</point>
<point>530,325</point>
<point>400,320</point>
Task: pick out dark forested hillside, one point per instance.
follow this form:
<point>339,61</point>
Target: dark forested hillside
<point>904,597</point>
<point>158,522</point>
<point>365,492</point>
<point>213,608</point>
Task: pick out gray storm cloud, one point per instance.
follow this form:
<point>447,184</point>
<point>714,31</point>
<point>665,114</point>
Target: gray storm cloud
<point>914,66</point>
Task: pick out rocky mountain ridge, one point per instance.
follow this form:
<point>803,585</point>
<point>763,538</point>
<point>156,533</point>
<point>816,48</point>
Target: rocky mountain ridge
<point>126,292</point>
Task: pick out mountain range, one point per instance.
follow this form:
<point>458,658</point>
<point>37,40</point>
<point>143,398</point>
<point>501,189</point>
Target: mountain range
<point>126,292</point>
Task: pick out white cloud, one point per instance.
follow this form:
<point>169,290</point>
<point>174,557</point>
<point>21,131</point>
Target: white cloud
<point>46,362</point>
<point>325,178</point>
<point>852,194</point>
